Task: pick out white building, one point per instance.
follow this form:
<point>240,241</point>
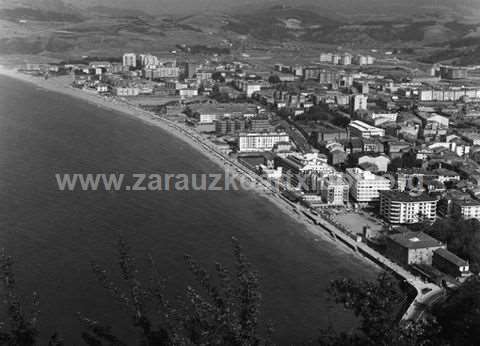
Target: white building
<point>248,87</point>
<point>326,57</point>
<point>148,60</point>
<point>365,186</point>
<point>130,59</point>
<point>260,141</point>
<point>359,103</point>
<point>185,93</point>
<point>336,59</point>
<point>467,209</point>
<point>403,208</point>
<point>128,91</point>
<point>388,116</point>
<point>361,60</point>
<point>358,128</point>
<point>346,59</point>
<point>168,72</point>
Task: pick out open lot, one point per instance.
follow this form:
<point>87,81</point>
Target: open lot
<point>354,221</point>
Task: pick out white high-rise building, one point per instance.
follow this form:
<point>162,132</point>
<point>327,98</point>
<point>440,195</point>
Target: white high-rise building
<point>365,186</point>
<point>149,60</point>
<point>346,59</point>
<point>404,208</point>
<point>260,141</point>
<point>130,59</point>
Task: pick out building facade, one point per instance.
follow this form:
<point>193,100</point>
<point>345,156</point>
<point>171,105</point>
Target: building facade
<point>403,208</point>
<point>260,141</point>
<point>365,186</point>
<point>412,248</point>
<point>130,59</point>
<point>358,128</point>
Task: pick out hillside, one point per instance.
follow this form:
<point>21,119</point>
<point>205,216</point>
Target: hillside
<point>56,27</point>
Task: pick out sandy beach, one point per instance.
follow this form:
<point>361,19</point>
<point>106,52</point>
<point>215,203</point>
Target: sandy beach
<point>189,136</point>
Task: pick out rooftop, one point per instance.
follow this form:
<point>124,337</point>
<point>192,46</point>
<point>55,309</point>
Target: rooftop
<point>361,126</point>
<point>406,197</point>
<point>415,240</point>
<point>451,257</point>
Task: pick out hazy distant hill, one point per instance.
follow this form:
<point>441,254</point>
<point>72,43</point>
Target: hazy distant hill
<point>79,27</point>
<point>341,8</point>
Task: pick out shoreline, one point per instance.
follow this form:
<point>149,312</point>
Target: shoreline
<point>196,142</point>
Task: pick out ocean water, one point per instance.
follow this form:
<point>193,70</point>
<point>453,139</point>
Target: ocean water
<point>55,235</point>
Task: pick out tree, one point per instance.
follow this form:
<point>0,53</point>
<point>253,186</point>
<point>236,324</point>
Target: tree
<point>462,237</point>
<point>217,76</point>
<point>226,314</point>
<point>459,316</point>
<point>408,160</point>
<point>21,326</point>
<point>274,79</point>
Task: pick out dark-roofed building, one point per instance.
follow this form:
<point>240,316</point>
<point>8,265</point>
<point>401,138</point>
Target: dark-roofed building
<point>450,264</point>
<point>405,208</point>
<point>412,248</point>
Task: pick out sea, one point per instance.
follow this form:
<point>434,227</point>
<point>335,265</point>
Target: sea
<point>55,236</point>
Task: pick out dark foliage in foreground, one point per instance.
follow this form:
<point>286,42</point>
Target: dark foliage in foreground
<point>378,304</point>
<point>462,237</point>
<point>220,311</point>
<point>21,325</point>
<point>224,310</point>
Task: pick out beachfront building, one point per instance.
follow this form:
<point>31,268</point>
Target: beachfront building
<point>260,141</point>
<point>404,208</point>
<point>412,248</point>
<point>358,128</point>
<point>365,186</point>
<point>130,60</point>
<point>305,163</point>
<point>126,91</point>
<point>208,113</point>
<point>335,190</point>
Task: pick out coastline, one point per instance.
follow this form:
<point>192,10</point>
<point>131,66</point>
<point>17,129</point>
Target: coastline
<point>57,84</point>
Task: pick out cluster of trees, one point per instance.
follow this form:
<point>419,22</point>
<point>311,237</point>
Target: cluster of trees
<point>462,237</point>
<point>224,97</point>
<point>224,309</point>
<point>408,160</point>
<point>322,113</point>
